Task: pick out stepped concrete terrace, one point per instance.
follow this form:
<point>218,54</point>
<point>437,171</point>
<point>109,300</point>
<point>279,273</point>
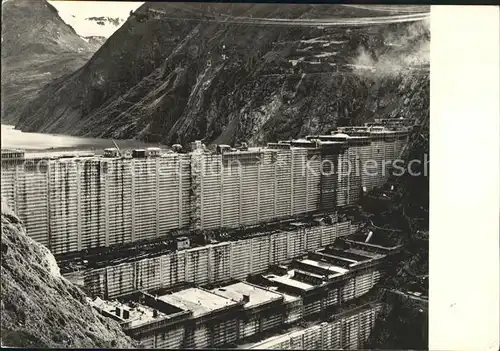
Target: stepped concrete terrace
<point>239,312</point>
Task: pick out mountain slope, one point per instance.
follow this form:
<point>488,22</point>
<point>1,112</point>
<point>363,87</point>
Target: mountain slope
<point>224,72</point>
<point>37,46</point>
<point>39,308</point>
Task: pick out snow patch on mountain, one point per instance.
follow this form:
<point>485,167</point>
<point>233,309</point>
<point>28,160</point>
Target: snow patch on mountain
<point>95,18</point>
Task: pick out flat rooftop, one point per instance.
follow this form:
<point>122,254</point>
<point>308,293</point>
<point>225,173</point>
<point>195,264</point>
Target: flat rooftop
<point>346,257</point>
<point>7,151</point>
<point>318,269</point>
<point>201,302</point>
<point>255,149</point>
<point>331,142</point>
<point>138,314</point>
<point>258,296</point>
<point>272,341</point>
<point>287,279</point>
<point>61,155</point>
<point>287,298</point>
<point>378,239</point>
<point>249,151</point>
<point>364,253</point>
<point>337,270</point>
<point>335,259</point>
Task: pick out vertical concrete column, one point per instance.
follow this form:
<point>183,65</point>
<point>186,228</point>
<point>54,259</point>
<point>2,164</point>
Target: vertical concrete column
<point>304,237</point>
<point>348,154</point>
<point>373,149</point>
<point>324,330</point>
<point>258,191</point>
<point>307,184</point>
<point>157,195</point>
<point>132,198</point>
<point>321,243</point>
<point>288,246</point>
<point>202,189</point>
<point>196,190</point>
<point>219,159</point>
<point>106,284</point>
<point>271,242</point>
<point>180,160</point>
<point>355,285</point>
<point>240,203</point>
<point>15,187</point>
<point>47,203</point>
<point>49,215</point>
<point>238,329</point>
<point>231,255</point>
<point>79,204</point>
<point>251,256</point>
<point>292,191</point>
<point>134,274</point>
<point>186,271</point>
<point>209,263</point>
<point>104,182</point>
<point>338,184</point>
<point>359,342</point>
<point>161,270</point>
<point>275,190</point>
<point>341,332</point>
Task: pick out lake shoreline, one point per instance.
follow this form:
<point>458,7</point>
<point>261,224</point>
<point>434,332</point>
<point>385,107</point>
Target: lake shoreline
<point>33,142</point>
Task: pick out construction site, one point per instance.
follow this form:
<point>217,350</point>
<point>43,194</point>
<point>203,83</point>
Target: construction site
<point>74,203</point>
<point>247,247</point>
<point>323,296</point>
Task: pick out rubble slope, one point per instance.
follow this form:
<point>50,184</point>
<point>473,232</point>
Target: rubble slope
<point>40,308</point>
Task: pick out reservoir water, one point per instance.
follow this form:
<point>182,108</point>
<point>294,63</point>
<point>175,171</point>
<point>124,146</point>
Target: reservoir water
<point>36,142</point>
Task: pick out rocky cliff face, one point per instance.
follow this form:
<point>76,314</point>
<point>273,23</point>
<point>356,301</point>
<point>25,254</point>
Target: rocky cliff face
<point>95,40</point>
<point>40,308</point>
<point>37,47</point>
<point>174,73</point>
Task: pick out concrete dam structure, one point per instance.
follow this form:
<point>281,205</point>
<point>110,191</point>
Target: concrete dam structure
<point>281,264</point>
<point>214,263</point>
<point>72,204</point>
<point>336,280</point>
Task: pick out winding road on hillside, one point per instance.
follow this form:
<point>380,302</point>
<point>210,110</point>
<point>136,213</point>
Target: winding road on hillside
<point>316,22</point>
<point>390,8</point>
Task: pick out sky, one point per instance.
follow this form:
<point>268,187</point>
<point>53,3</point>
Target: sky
<point>75,12</point>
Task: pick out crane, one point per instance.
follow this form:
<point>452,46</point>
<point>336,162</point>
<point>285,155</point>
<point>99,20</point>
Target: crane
<point>117,148</point>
